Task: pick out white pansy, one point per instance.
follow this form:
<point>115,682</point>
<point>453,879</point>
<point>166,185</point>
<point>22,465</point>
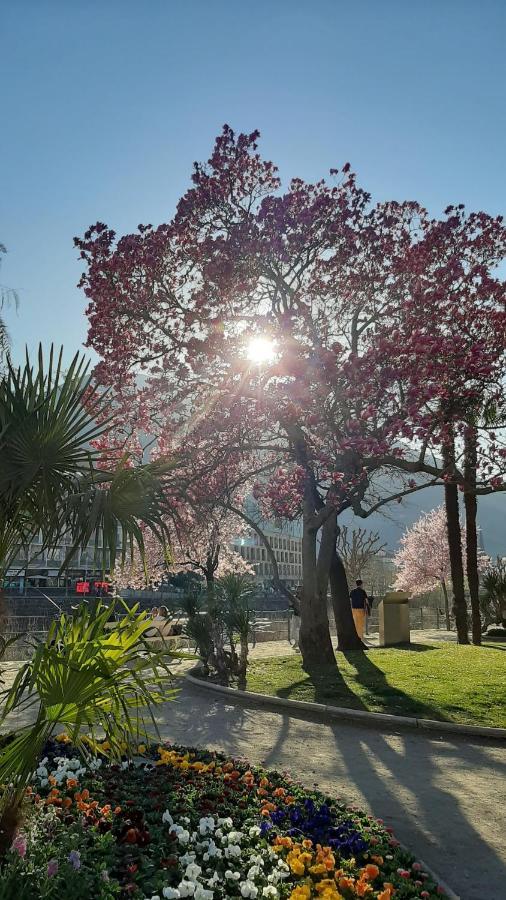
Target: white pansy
<point>235,837</point>
<point>192,871</point>
<point>42,772</point>
<point>270,891</point>
<point>254,872</point>
<point>186,888</point>
<point>187,858</point>
<point>202,894</point>
<point>254,831</point>
<point>226,823</point>
<point>248,889</point>
<point>167,818</point>
<point>95,764</point>
<point>170,893</point>
<point>233,851</point>
<point>207,825</point>
<point>232,876</point>
<point>212,850</point>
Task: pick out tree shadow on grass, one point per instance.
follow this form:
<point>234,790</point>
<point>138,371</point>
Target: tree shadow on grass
<point>323,686</point>
<point>376,695</point>
<point>416,648</point>
<point>488,646</point>
<point>392,699</point>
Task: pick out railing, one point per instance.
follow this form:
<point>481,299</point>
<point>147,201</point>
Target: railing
<point>270,625</point>
<point>275,625</point>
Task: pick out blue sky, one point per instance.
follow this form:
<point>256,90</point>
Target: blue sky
<point>105,105</point>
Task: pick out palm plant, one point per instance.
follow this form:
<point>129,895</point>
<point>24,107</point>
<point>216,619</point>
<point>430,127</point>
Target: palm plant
<point>238,593</point>
<point>493,596</point>
<point>87,675</point>
<point>199,627</point>
<point>50,481</point>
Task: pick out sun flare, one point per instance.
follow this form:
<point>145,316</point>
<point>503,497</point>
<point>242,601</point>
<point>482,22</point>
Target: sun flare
<point>261,350</point>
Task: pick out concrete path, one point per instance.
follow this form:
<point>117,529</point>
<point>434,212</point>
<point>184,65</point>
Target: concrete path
<point>444,797</point>
<point>264,649</point>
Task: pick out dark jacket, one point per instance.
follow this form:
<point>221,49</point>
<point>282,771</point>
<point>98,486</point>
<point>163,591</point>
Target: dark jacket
<point>358,598</point>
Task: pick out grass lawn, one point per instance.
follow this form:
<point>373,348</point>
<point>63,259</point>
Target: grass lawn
<point>430,681</point>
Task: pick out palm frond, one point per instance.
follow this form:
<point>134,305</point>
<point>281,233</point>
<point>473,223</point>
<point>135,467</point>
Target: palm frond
<point>49,479</point>
<point>90,676</point>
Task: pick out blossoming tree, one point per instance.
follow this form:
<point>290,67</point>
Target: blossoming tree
<point>290,325</point>
<point>423,562</point>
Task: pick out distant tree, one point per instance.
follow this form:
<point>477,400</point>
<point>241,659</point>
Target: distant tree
<point>423,562</point>
<point>201,544</point>
<point>493,597</point>
<point>140,570</point>
<point>205,545</point>
<point>357,547</point>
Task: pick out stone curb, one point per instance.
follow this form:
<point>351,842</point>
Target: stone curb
<point>336,712</point>
<point>342,712</point>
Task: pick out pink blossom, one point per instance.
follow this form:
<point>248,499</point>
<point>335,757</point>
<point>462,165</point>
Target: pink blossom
<point>52,868</point>
<point>19,844</point>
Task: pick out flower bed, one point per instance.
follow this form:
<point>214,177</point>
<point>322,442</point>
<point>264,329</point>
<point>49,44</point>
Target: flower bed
<point>183,823</point>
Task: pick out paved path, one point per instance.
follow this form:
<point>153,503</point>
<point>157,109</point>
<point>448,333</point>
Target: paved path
<point>443,796</point>
<point>264,649</point>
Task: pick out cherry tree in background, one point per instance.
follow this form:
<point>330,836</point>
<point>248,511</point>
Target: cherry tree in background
<point>423,562</point>
<point>451,334</point>
<point>140,571</point>
<point>338,338</point>
<point>202,544</point>
<point>205,545</point>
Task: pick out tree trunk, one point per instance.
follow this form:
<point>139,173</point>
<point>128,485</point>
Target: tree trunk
<point>347,637</point>
<point>218,657</point>
<point>471,509</point>
<point>243,662</point>
<point>455,549</point>
<point>447,605</point>
<point>314,641</point>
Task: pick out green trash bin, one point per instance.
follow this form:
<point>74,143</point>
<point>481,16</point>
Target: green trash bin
<point>394,619</point>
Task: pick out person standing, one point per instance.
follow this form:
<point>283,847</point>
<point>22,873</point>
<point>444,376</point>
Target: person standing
<point>295,620</point>
<point>359,607</point>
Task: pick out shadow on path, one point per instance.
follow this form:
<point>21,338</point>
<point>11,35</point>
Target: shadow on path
<point>439,793</point>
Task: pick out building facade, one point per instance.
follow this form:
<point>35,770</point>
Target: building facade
<point>286,544</point>
<point>37,566</point>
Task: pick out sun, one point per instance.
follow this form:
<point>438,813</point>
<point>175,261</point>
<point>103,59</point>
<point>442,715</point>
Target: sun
<point>261,350</point>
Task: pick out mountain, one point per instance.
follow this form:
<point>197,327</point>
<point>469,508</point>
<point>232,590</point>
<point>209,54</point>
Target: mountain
<point>394,518</point>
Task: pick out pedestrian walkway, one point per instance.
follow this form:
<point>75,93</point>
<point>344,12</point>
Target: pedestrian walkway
<point>440,794</point>
<point>265,649</point>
